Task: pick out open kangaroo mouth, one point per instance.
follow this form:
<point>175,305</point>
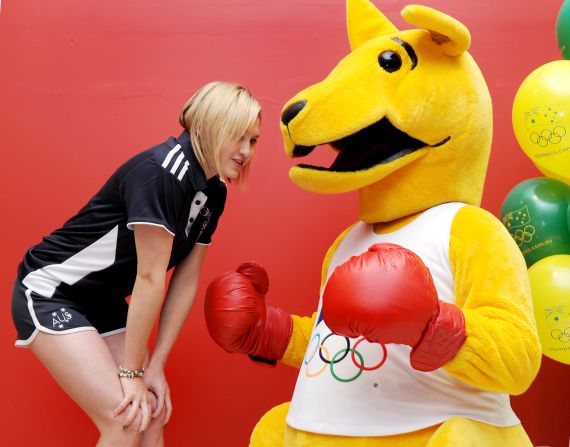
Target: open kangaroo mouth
<point>376,144</point>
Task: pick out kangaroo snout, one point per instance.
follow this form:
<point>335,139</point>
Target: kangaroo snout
<point>292,111</point>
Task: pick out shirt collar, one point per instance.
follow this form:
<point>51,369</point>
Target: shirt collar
<point>197,176</point>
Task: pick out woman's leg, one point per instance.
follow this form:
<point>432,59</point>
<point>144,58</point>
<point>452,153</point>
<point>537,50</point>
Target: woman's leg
<point>82,364</point>
<point>153,434</point>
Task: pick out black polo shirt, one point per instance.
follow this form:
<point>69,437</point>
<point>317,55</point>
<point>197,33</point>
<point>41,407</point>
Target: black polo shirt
<point>94,252</point>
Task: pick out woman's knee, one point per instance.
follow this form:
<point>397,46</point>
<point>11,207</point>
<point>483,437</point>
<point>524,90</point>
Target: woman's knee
<point>153,434</point>
<point>157,419</point>
<point>113,430</point>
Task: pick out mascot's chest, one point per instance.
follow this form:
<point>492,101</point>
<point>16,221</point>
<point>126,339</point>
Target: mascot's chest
<point>427,236</point>
<point>355,388</point>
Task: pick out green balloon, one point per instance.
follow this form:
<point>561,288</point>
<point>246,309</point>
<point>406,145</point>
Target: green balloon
<point>563,29</point>
<point>537,214</point>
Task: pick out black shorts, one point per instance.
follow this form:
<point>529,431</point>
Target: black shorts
<point>60,314</point>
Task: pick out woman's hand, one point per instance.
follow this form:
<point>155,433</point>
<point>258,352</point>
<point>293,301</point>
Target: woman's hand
<point>153,248</point>
<point>135,392</point>
<point>155,381</point>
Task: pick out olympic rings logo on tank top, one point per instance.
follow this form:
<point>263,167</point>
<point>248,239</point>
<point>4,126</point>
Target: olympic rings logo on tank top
<point>318,358</point>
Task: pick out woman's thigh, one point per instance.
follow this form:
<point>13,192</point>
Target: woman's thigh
<point>82,364</point>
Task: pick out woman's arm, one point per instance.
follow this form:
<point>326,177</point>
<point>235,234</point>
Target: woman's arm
<point>178,302</point>
<point>177,305</point>
<point>153,246</point>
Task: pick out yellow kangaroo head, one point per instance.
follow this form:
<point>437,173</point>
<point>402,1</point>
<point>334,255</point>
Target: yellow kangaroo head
<point>408,113</point>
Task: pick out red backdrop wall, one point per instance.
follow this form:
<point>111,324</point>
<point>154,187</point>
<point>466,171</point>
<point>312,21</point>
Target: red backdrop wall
<point>85,85</point>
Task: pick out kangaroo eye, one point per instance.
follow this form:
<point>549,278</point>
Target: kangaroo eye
<point>390,61</point>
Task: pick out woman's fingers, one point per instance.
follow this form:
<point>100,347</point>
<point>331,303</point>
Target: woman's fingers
<point>121,407</point>
<point>168,405</point>
<point>132,414</point>
<point>159,403</point>
<point>145,413</point>
<point>135,392</point>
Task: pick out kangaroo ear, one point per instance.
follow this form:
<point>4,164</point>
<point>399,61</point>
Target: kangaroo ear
<point>451,34</point>
<point>365,21</point>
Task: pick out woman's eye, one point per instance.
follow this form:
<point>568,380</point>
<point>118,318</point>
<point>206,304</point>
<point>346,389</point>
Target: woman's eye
<point>390,61</point>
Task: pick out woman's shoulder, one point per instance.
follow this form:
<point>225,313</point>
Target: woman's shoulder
<point>165,154</point>
<point>165,159</point>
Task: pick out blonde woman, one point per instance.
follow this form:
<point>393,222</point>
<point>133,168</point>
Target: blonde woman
<point>157,211</point>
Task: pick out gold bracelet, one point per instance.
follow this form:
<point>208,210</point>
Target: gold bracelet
<point>130,373</point>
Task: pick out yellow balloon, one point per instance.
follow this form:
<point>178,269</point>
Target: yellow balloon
<point>550,283</point>
<point>541,118</point>
<point>551,174</point>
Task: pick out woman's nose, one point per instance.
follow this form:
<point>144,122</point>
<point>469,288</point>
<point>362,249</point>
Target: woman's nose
<point>245,148</point>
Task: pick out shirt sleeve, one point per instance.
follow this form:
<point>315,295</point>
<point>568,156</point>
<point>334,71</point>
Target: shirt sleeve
<point>216,204</point>
<point>152,195</point>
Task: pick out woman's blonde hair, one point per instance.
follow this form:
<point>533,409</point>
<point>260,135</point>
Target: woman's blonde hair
<point>218,114</point>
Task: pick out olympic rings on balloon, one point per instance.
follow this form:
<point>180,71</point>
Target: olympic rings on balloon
<point>350,379</point>
<point>546,136</point>
<point>563,336</point>
<point>524,235</point>
<point>361,365</point>
<point>342,357</point>
<point>559,131</point>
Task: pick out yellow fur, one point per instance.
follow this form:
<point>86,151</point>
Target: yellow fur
<point>295,352</point>
<point>366,22</point>
<point>502,352</point>
<point>272,431</point>
<point>491,287</point>
<point>442,101</point>
<point>452,35</point>
<point>443,96</point>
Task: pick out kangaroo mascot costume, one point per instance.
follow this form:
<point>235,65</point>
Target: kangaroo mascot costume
<point>424,324</point>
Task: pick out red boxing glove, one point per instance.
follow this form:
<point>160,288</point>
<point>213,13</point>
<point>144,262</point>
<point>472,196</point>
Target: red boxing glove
<point>387,295</point>
<point>238,319</point>
<point>443,337</point>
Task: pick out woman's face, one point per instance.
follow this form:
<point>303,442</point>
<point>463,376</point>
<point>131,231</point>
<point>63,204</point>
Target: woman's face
<point>235,156</point>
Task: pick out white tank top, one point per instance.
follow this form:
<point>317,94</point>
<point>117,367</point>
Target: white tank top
<point>348,386</point>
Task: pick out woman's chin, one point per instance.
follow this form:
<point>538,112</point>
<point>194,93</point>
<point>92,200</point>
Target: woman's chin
<point>231,174</point>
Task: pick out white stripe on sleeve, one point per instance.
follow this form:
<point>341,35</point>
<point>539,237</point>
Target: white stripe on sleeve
<point>170,155</point>
<point>177,163</point>
<point>183,170</point>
